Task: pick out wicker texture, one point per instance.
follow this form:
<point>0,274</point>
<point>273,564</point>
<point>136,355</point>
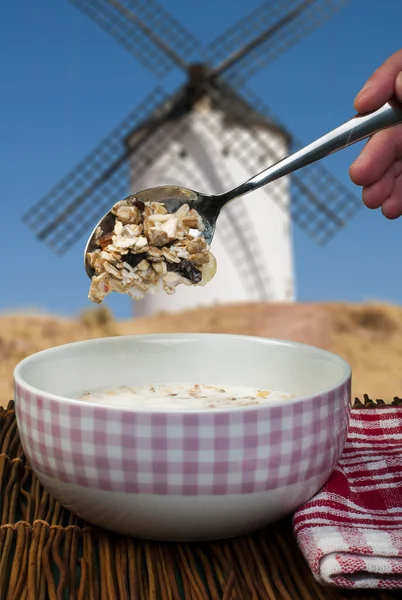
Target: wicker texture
<point>48,553</point>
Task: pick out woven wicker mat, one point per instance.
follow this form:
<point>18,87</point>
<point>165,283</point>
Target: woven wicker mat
<point>48,553</point>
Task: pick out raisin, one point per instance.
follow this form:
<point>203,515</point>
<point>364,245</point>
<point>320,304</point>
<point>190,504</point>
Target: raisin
<point>134,259</point>
<point>140,205</point>
<point>186,269</point>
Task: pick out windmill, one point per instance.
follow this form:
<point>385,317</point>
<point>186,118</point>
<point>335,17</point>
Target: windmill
<point>210,135</point>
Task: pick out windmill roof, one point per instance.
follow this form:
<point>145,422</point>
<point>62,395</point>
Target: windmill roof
<point>237,110</point>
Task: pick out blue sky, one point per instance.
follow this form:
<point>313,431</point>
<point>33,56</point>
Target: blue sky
<point>65,84</point>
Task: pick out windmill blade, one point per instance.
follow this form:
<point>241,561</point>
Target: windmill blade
<point>320,204</point>
<point>255,41</point>
<point>146,30</point>
<point>75,205</point>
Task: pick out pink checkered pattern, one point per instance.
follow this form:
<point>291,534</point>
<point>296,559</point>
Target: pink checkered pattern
<point>205,453</point>
<point>351,531</point>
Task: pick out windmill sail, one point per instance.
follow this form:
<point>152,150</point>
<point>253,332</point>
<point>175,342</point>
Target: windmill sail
<point>146,30</point>
<point>209,138</point>
<point>72,208</point>
<point>252,43</point>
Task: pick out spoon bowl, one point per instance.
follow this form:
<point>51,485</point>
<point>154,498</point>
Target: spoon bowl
<point>172,197</point>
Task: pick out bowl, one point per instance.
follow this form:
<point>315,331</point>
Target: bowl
<point>182,475</point>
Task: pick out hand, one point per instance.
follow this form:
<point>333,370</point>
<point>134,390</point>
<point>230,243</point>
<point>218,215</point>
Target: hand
<point>378,168</point>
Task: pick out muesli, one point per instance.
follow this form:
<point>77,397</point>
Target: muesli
<point>184,396</point>
<point>149,250</point>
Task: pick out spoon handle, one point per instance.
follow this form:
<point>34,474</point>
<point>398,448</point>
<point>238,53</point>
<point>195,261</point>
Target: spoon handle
<point>359,127</point>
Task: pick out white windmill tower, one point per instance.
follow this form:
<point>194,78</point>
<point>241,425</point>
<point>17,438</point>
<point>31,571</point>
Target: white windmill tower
<point>207,137</point>
<point>193,142</point>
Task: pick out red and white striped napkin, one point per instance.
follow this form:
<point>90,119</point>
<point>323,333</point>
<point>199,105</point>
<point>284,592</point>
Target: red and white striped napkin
<point>351,532</point>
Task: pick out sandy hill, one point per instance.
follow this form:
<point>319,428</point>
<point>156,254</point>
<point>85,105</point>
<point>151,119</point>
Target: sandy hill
<point>369,336</point>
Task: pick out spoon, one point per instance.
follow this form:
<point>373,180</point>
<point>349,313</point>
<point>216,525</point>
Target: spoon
<point>358,128</point>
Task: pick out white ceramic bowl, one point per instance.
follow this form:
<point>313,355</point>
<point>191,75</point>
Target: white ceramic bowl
<point>182,475</point>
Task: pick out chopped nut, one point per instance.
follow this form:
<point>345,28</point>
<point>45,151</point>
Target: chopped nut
<point>126,202</point>
<point>194,246</point>
<point>191,219</point>
<point>170,227</point>
<point>96,262</point>
<point>202,258</point>
<point>147,211</point>
<point>126,212</point>
<point>157,237</point>
<point>105,240</point>
<point>195,391</point>
<point>180,252</point>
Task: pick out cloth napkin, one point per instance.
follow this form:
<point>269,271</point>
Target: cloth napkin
<point>351,532</point>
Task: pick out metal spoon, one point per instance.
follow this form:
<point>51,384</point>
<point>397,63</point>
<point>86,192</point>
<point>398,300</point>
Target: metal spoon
<point>359,127</point>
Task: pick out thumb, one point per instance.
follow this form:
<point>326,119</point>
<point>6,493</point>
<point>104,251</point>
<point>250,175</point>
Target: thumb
<point>398,86</point>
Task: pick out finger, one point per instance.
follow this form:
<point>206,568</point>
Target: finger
<point>375,195</point>
<point>380,87</point>
<point>392,207</point>
<point>377,156</point>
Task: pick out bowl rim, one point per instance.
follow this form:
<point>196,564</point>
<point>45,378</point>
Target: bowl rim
<point>19,380</point>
